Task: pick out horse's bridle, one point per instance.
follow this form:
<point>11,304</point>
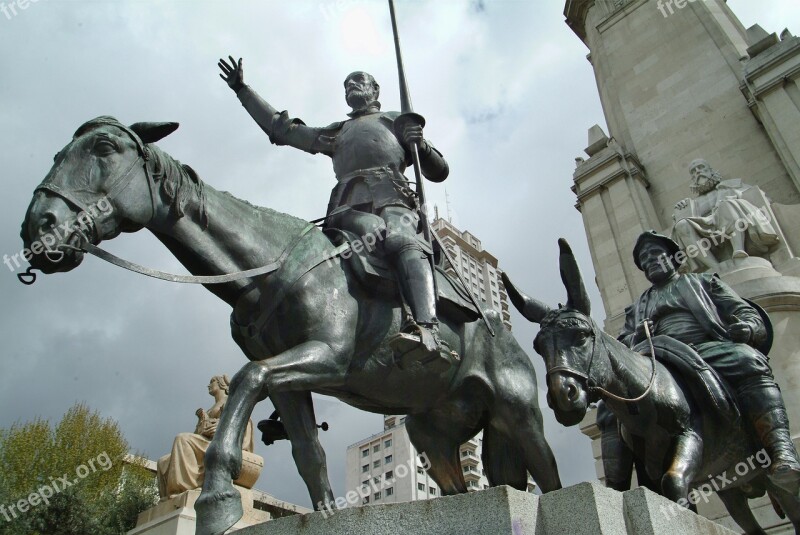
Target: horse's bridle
<point>118,184</point>
<point>586,377</point>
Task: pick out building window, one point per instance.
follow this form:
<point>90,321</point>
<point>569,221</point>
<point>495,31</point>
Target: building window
<point>366,500</point>
<point>465,453</point>
<point>432,491</point>
<point>376,464</point>
<point>365,483</point>
<point>365,468</point>
<point>365,452</point>
<point>388,459</point>
<point>421,486</point>
<point>387,443</point>
<point>389,475</point>
<point>376,479</point>
<point>390,491</point>
<point>420,471</point>
<point>377,496</point>
<point>376,448</point>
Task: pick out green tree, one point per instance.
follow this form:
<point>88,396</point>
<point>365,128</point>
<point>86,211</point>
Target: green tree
<point>71,479</point>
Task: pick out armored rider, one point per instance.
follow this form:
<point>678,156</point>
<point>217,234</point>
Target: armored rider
<point>372,196</point>
<point>700,310</point>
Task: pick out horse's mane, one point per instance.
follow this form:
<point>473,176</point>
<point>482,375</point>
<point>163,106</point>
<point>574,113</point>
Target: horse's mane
<point>178,182</point>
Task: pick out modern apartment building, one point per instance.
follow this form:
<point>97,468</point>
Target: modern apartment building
<point>476,265</point>
<point>385,467</point>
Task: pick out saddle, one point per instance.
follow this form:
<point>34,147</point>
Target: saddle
<point>708,389</point>
<point>374,273</point>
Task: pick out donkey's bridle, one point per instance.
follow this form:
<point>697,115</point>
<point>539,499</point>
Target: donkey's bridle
<point>587,378</point>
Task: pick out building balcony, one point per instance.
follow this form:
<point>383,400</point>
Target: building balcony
<point>472,476</point>
<point>470,460</point>
<point>472,442</point>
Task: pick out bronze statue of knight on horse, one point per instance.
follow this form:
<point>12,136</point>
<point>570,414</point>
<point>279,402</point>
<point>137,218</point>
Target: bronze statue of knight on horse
<point>307,318</point>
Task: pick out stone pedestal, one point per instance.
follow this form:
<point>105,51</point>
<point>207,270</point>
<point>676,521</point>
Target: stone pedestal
<point>584,509</point>
<point>176,515</point>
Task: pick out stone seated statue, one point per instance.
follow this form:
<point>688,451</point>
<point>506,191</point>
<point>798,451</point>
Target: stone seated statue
<point>726,220</point>
<point>182,469</point>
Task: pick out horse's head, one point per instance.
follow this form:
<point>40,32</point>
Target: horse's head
<point>99,185</point>
<point>566,340</point>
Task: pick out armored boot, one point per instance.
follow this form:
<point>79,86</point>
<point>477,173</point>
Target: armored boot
<point>419,340</point>
<point>763,406</point>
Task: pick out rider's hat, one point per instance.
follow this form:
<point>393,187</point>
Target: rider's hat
<point>651,236</point>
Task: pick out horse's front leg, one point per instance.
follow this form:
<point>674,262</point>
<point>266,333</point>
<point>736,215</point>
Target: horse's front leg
<point>219,506</point>
<point>297,413</point>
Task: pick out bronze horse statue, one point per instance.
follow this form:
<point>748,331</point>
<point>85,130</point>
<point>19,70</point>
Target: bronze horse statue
<point>308,326</point>
<point>685,440</point>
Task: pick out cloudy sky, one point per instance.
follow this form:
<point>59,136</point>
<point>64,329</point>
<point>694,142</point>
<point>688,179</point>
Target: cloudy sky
<point>508,96</point>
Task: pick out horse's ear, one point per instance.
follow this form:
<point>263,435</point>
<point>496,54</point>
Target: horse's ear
<point>152,132</point>
<point>577,298</point>
<point>532,309</point>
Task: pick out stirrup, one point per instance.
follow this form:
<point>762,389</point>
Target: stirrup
<point>425,348</point>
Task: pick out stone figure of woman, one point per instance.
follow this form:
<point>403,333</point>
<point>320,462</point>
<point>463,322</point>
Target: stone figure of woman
<point>183,468</point>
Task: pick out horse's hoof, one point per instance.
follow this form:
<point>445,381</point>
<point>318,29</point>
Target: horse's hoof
<point>217,512</point>
<point>787,476</point>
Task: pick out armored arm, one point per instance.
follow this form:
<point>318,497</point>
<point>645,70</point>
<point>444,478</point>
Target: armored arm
<point>282,129</point>
<point>432,163</point>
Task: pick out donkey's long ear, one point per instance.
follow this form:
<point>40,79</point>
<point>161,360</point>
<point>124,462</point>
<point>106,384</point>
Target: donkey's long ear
<point>529,307</point>
<point>577,298</point>
<point>152,132</point>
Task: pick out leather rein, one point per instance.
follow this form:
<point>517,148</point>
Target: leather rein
<point>117,186</point>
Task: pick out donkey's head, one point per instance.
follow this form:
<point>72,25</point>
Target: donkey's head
<point>99,185</point>
<point>566,340</point>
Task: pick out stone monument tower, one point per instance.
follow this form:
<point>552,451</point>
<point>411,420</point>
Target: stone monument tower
<point>698,108</point>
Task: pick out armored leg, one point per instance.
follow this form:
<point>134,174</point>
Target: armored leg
<point>415,277</point>
<point>762,404</point>
<point>370,228</point>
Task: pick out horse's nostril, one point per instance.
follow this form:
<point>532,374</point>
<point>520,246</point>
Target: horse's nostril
<point>572,393</point>
<point>47,221</point>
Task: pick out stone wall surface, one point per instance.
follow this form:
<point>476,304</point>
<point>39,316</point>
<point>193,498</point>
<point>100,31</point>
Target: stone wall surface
<point>583,509</point>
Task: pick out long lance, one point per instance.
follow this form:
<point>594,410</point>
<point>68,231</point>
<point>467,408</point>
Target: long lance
<point>409,117</point>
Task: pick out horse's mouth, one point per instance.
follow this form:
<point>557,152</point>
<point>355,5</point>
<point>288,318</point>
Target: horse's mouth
<point>60,258</point>
<point>571,414</point>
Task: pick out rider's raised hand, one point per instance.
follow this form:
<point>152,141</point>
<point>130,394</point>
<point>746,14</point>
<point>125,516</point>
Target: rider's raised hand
<point>232,73</point>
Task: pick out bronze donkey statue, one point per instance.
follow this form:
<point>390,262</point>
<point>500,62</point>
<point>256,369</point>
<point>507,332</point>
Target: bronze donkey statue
<point>685,439</point>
